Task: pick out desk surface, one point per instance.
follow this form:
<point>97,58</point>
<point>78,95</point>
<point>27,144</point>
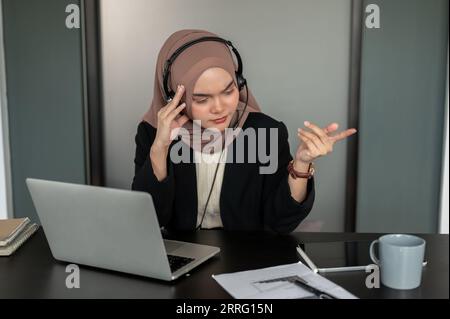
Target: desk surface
<point>33,273</point>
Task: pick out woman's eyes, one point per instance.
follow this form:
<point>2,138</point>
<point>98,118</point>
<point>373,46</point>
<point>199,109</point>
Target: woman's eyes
<point>204,100</point>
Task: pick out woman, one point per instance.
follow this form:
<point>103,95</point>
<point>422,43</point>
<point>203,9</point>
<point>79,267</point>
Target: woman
<point>216,190</point>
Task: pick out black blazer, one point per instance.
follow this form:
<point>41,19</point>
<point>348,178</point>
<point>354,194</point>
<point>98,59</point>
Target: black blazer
<point>248,200</point>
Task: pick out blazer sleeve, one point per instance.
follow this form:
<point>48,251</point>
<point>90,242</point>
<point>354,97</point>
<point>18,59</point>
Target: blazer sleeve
<point>144,180</point>
<point>282,213</point>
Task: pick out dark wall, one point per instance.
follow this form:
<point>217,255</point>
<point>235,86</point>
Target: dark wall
<point>44,73</point>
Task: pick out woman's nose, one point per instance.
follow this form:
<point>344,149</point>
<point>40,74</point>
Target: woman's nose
<point>217,107</point>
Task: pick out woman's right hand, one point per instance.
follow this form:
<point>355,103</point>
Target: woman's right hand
<point>170,121</point>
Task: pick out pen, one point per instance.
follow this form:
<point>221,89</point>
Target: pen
<point>341,269</point>
<point>350,268</point>
<point>307,260</point>
<point>304,284</point>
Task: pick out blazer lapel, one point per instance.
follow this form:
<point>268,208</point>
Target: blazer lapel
<point>186,183</point>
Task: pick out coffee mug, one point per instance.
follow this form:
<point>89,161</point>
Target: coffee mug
<point>400,260</point>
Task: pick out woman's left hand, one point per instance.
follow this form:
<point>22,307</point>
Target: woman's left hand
<point>318,142</point>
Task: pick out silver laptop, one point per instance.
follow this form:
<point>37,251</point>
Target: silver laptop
<point>112,229</point>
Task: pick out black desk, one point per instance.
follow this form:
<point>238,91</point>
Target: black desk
<point>33,273</point>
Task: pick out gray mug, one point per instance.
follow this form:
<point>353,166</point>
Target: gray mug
<point>400,260</point>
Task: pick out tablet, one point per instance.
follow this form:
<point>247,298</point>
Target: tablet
<point>338,254</point>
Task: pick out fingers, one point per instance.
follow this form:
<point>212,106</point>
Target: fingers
<point>318,141</point>
<point>165,111</point>
<point>182,120</point>
<point>171,116</point>
<point>319,132</point>
<point>312,137</point>
<point>343,135</point>
<point>179,94</point>
<point>331,128</point>
<point>323,134</point>
<point>311,146</point>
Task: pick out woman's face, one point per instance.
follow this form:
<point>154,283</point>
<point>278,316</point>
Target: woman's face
<point>215,99</point>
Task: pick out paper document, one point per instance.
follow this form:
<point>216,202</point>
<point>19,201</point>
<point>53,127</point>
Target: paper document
<point>272,283</point>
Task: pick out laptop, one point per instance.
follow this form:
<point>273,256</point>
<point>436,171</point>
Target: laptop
<point>112,229</point>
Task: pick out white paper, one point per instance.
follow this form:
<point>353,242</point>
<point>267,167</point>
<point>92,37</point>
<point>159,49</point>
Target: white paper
<point>248,285</point>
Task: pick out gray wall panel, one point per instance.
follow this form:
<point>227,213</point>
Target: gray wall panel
<point>401,117</point>
<point>45,96</point>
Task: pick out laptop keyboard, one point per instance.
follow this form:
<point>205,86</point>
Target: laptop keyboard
<point>176,262</point>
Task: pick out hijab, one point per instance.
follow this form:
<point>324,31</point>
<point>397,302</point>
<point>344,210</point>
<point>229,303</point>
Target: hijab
<point>185,70</point>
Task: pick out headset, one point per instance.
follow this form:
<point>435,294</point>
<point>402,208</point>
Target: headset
<point>169,93</point>
<point>241,83</point>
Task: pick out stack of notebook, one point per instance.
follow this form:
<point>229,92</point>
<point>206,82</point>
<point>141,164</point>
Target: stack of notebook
<point>13,233</point>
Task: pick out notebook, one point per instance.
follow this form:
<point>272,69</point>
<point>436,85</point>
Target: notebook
<point>9,249</point>
<point>11,228</point>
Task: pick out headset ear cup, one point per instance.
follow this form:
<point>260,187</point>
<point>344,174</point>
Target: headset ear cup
<point>171,96</point>
<point>241,81</point>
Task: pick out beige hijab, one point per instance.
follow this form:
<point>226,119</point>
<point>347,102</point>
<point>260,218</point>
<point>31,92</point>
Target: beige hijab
<point>185,70</point>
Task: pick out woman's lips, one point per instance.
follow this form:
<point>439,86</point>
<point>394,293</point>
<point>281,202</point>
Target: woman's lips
<point>221,120</point>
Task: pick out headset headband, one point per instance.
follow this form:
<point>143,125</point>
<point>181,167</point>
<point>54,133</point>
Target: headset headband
<point>169,94</point>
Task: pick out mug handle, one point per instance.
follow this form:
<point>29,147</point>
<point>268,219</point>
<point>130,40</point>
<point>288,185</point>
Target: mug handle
<point>372,252</point>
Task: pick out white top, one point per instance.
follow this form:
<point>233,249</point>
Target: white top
<point>206,168</point>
